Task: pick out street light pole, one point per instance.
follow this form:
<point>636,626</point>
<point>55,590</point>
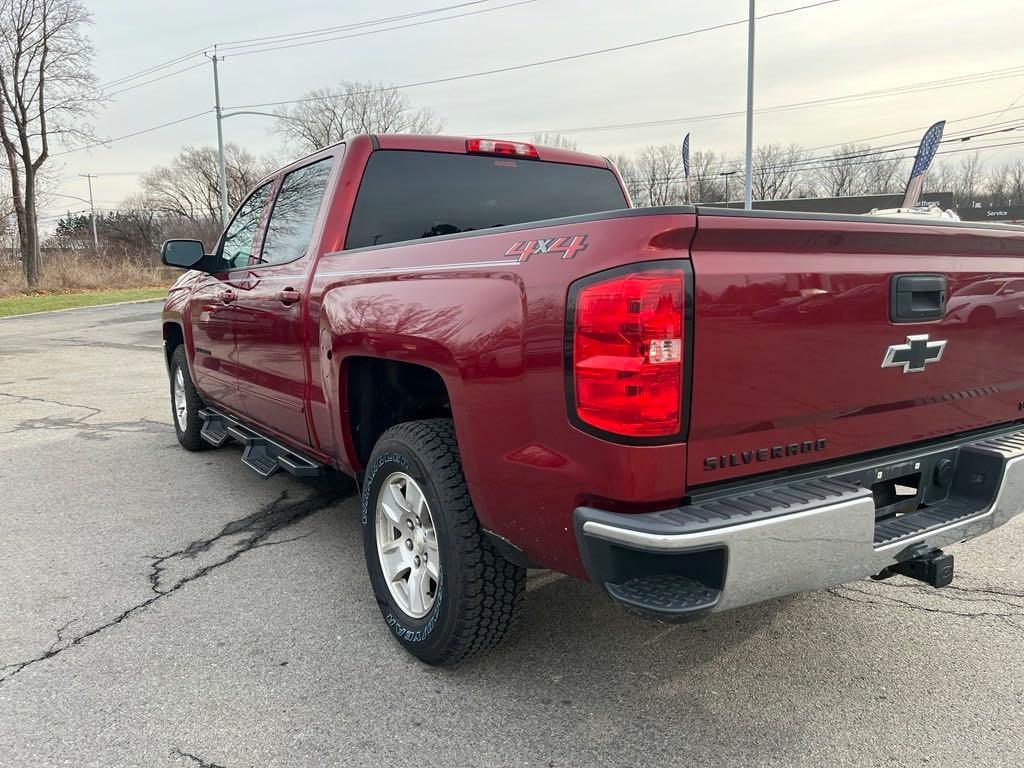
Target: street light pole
<point>748,198</point>
<point>220,143</point>
<point>727,174</point>
<point>92,209</point>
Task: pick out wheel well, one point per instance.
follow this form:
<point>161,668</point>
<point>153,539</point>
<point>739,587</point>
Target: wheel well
<point>382,393</point>
<point>173,338</point>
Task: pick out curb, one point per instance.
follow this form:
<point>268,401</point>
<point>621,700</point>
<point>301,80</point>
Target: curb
<point>79,309</point>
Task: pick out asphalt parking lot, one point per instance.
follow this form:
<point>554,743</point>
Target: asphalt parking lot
<point>161,608</point>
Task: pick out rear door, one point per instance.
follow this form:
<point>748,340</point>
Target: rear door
<point>214,308</point>
<point>798,354</point>
<point>271,307</point>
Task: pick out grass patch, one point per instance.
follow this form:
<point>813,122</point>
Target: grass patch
<point>46,302</point>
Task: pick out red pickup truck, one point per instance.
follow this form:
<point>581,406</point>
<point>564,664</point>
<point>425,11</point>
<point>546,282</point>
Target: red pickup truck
<point>693,408</point>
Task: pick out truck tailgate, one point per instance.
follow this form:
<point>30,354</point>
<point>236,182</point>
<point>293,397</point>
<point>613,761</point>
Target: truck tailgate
<point>792,327</point>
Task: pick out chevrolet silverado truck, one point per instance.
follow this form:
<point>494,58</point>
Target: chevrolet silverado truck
<point>693,408</point>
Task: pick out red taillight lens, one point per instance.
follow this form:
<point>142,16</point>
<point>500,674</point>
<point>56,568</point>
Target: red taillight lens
<point>493,147</point>
<point>628,353</point>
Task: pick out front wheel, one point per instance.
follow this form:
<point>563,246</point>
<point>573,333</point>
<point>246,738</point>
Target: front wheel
<point>444,591</point>
<point>185,404</point>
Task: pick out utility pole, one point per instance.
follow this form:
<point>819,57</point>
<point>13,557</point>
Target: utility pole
<point>220,143</point>
<point>92,208</point>
<point>727,174</point>
<point>748,197</point>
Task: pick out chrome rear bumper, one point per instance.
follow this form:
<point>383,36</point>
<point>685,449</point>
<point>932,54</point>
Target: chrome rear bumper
<point>828,536</point>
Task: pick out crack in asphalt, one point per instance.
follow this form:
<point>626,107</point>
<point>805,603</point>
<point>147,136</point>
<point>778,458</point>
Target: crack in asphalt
<point>957,595</point>
<point>254,530</point>
<point>201,762</point>
<point>968,594</point>
<point>60,632</point>
<point>102,430</point>
<point>28,398</point>
<point>72,342</point>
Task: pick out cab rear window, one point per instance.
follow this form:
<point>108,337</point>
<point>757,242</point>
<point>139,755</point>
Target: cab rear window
<point>407,195</point>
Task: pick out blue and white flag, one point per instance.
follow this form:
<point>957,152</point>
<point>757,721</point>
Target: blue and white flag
<point>929,145</point>
<point>686,164</point>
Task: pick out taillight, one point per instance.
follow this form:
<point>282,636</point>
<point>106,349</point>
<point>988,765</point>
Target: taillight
<point>509,148</point>
<point>627,351</point>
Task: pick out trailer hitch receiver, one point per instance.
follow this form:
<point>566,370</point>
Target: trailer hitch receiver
<point>933,567</point>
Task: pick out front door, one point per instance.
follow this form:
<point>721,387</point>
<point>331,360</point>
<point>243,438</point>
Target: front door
<point>271,308</point>
<point>214,307</point>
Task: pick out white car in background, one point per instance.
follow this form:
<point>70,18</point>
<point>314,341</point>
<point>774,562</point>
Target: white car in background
<point>986,301</point>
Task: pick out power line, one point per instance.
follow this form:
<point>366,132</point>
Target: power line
<point>132,135</point>
<point>980,77</point>
<point>270,39</point>
<point>378,31</point>
<point>877,151</point>
<point>825,162</point>
<point>916,129</point>
<point>540,63</point>
<point>254,41</point>
<point>156,79</point>
<point>149,70</point>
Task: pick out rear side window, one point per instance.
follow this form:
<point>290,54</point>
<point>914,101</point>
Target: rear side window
<point>294,214</point>
<point>408,195</point>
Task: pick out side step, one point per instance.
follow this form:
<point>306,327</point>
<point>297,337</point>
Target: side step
<point>262,455</point>
<point>665,597</point>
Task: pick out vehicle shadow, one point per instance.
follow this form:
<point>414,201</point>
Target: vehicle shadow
<point>573,642</point>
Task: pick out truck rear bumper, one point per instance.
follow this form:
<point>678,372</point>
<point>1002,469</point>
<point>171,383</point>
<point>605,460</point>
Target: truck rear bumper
<point>769,540</point>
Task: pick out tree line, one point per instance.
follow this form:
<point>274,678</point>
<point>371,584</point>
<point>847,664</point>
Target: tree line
<point>47,93</point>
<point>182,198</point>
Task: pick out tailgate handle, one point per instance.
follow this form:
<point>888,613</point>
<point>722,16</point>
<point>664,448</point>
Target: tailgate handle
<point>917,298</point>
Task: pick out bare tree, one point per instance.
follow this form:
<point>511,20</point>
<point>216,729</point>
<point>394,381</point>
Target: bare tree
<point>47,89</point>
<point>8,226</point>
<point>555,140</point>
<point>1015,182</point>
<point>941,177</point>
<point>660,169</point>
<point>188,188</point>
<point>326,116</point>
<point>997,185</point>
<point>778,171</point>
<point>844,172</point>
<point>886,175</point>
<point>707,184</point>
<point>630,177</point>
<point>968,180</point>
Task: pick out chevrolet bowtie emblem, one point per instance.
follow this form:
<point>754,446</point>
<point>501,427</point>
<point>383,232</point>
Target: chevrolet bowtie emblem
<point>915,354</point>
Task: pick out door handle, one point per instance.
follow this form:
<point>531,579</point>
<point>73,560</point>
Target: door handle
<point>288,296</point>
<point>917,298</point>
<point>227,296</point>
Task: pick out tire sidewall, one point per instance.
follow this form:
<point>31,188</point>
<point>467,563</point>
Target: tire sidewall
<point>178,363</point>
<point>426,635</point>
<point>189,438</point>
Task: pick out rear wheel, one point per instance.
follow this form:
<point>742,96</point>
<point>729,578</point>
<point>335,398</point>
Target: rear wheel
<point>185,404</point>
<point>982,316</point>
<point>444,591</point>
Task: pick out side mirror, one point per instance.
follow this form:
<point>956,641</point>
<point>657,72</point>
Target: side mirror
<point>184,254</point>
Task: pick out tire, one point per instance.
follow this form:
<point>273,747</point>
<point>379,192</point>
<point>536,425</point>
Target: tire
<point>982,316</point>
<point>474,596</point>
<point>188,425</point>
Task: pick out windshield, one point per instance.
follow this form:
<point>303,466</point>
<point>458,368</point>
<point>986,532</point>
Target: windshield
<point>987,288</point>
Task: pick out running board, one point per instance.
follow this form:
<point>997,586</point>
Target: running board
<point>262,455</point>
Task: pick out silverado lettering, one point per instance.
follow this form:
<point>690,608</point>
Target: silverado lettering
<point>357,317</point>
<point>764,454</point>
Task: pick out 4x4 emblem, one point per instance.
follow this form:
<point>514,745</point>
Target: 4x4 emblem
<point>915,354</point>
<point>568,246</point>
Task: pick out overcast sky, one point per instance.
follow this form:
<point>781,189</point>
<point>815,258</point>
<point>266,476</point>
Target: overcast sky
<point>846,47</point>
